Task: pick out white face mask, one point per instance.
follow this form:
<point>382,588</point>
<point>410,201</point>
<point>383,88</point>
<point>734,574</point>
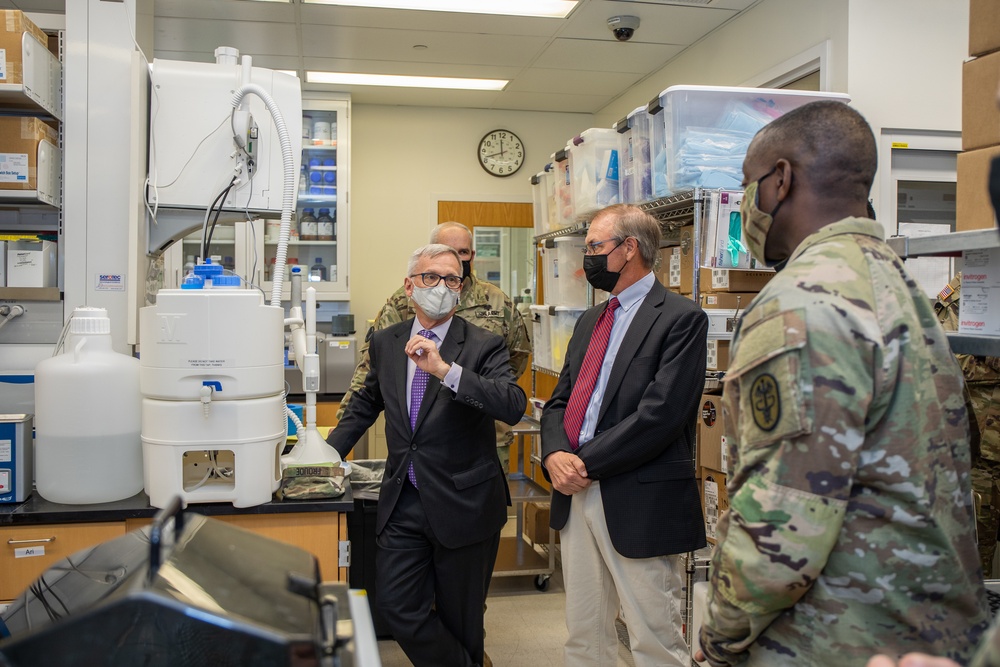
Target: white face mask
<point>437,301</point>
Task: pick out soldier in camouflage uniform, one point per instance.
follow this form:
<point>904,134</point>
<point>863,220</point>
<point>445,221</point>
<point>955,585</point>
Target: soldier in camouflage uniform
<point>982,379</point>
<point>482,304</point>
<point>850,527</point>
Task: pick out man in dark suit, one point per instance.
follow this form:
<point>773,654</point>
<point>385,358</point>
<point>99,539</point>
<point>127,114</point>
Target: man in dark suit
<point>441,382</point>
<point>618,447</point>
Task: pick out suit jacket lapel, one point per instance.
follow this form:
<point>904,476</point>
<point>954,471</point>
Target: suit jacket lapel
<point>449,350</point>
<point>399,368</point>
<point>648,311</point>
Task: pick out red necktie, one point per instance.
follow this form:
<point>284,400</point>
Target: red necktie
<point>583,389</point>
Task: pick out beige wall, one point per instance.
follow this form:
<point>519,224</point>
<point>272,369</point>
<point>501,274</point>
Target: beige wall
<point>905,66</point>
<point>406,158</point>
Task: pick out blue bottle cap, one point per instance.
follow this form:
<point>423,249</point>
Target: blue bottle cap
<point>192,282</point>
<point>226,281</point>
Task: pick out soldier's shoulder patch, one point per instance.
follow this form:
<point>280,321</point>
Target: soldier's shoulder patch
<point>765,401</point>
<point>489,312</point>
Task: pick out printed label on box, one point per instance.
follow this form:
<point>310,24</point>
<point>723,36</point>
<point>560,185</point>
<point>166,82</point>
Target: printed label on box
<point>980,268</point>
<point>979,310</point>
<point>675,268</point>
<point>110,282</point>
<point>13,167</point>
<point>6,451</point>
<point>712,357</point>
<point>711,507</point>
<point>3,63</point>
<point>725,456</point>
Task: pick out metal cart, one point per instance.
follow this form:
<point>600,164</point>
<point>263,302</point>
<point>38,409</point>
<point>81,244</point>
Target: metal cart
<point>517,557</point>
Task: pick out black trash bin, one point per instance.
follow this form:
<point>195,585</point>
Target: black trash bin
<point>366,475</point>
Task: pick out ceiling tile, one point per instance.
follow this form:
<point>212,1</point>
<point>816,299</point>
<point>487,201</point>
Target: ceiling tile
<point>391,44</point>
<point>409,68</point>
<point>565,81</point>
<point>659,24</point>
<point>255,38</point>
<point>277,12</point>
<point>433,21</point>
<point>603,56</point>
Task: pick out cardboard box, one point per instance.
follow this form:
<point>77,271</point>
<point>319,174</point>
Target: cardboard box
<point>973,209</point>
<point>31,264</point>
<point>980,115</point>
<point>733,280</point>
<point>714,501</point>
<point>979,308</point>
<point>19,139</point>
<point>710,439</point>
<point>12,30</point>
<point>726,300</point>
<point>681,266</point>
<point>718,355</point>
<point>984,27</point>
<point>536,523</point>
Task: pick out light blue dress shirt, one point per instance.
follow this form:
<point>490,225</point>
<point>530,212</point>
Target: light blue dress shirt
<point>454,375</point>
<point>629,301</point>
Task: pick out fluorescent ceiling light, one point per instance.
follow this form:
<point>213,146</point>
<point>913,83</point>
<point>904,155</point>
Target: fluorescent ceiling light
<point>546,8</point>
<point>353,79</point>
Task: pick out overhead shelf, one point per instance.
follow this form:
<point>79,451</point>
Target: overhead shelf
<point>944,244</point>
<point>976,344</point>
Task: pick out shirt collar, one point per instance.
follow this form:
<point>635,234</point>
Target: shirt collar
<point>440,330</point>
<point>634,293</point>
<point>864,226</point>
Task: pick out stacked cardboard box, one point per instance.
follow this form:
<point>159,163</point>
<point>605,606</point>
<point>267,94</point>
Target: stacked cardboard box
<point>13,29</point>
<point>980,117</point>
<point>19,140</point>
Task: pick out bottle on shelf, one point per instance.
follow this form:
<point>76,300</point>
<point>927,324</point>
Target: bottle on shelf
<point>324,225</point>
<point>317,272</point>
<point>329,183</point>
<point>303,180</point>
<point>308,226</point>
<point>189,265</point>
<point>315,176</point>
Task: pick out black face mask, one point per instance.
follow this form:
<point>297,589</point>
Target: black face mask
<point>466,269</point>
<point>596,268</point>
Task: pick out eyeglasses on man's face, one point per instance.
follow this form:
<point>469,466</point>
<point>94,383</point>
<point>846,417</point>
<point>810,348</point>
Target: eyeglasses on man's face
<point>432,279</point>
<point>594,247</point>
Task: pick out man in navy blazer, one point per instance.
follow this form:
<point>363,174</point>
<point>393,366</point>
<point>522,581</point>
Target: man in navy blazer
<point>620,456</point>
<point>443,500</point>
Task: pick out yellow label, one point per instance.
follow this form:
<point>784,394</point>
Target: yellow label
<point>900,144</point>
<point>344,344</point>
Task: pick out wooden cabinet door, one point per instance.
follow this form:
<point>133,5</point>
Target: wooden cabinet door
<point>29,550</point>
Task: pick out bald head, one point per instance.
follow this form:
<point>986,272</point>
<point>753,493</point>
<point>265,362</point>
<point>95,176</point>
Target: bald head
<point>830,145</point>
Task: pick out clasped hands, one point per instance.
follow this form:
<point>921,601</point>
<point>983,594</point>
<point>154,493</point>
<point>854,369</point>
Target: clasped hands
<point>567,472</point>
<point>425,355</point>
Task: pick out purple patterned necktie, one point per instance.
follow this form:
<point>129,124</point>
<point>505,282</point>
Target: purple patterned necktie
<point>417,389</point>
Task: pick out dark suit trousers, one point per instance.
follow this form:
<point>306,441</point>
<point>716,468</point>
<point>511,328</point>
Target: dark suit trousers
<point>432,597</point>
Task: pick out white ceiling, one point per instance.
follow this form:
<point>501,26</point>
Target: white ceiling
<point>571,65</point>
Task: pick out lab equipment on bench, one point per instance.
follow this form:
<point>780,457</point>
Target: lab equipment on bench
<point>188,591</point>
<point>212,383</point>
<point>87,447</point>
<point>16,471</point>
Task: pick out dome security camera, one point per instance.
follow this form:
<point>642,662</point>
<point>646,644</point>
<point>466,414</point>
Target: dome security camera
<point>623,27</point>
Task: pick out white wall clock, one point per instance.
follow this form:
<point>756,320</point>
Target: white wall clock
<point>501,152</point>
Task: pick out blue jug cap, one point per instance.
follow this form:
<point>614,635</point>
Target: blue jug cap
<point>193,282</point>
<point>226,281</point>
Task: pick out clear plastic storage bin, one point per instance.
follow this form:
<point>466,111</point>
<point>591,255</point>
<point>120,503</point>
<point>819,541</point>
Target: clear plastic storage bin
<point>550,271</point>
<point>564,188</point>
<point>540,200</point>
<point>562,331</point>
<point>700,134</point>
<point>593,162</point>
<point>568,271</point>
<point>552,185</point>
<point>636,184</point>
<point>541,336</point>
